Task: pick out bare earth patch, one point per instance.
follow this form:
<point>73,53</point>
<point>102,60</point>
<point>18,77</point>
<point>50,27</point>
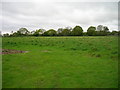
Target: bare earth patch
<point>11,51</point>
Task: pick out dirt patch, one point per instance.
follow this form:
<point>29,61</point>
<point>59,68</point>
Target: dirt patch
<point>11,51</point>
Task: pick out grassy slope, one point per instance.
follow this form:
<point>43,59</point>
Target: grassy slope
<point>74,62</point>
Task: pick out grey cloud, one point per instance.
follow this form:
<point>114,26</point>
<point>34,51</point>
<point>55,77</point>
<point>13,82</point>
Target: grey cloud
<point>54,15</point>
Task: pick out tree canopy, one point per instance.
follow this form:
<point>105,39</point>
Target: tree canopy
<point>50,32</point>
<point>91,31</point>
<point>77,31</point>
<point>100,30</point>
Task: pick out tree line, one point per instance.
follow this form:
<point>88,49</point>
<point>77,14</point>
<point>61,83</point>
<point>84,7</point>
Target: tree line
<point>100,30</point>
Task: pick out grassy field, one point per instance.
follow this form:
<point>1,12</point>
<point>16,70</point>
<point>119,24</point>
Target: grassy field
<point>61,62</point>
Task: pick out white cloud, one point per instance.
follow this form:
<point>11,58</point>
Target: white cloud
<point>47,15</point>
<point>59,0</point>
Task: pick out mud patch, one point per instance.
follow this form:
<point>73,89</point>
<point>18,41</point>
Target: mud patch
<point>11,51</point>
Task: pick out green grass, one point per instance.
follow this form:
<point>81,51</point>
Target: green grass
<point>61,62</point>
<point>0,65</point>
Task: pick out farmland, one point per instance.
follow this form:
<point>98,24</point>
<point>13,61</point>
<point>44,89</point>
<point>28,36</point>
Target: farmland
<point>61,62</point>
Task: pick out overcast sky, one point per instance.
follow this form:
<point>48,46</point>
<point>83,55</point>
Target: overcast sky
<point>54,15</point>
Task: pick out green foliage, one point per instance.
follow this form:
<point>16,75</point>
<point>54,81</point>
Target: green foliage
<point>106,29</point>
<point>38,32</point>
<point>59,31</point>
<point>6,35</point>
<point>65,32</point>
<point>77,31</point>
<point>114,33</point>
<point>23,31</point>
<point>50,32</point>
<point>20,32</point>
<point>68,31</point>
<point>91,31</point>
<point>102,30</point>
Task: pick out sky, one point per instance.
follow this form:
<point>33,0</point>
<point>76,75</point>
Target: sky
<point>53,15</point>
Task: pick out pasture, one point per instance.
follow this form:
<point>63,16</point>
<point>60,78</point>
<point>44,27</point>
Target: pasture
<point>61,62</point>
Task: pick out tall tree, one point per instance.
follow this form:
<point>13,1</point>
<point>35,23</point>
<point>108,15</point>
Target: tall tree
<point>6,35</point>
<point>41,31</point>
<point>91,31</point>
<point>100,28</point>
<point>105,30</point>
<point>59,31</point>
<point>66,32</point>
<point>38,32</point>
<point>50,32</point>
<point>77,31</point>
<point>22,31</point>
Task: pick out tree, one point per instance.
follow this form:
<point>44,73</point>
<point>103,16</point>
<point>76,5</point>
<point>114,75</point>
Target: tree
<point>66,32</point>
<point>22,31</point>
<point>114,32</point>
<point>84,33</point>
<point>77,31</point>
<point>32,32</point>
<point>50,32</point>
<point>91,31</point>
<point>59,31</point>
<point>11,34</point>
<point>38,32</point>
<point>41,31</point>
<point>6,35</point>
<point>69,28</point>
<point>0,34</point>
<point>15,34</point>
<point>118,33</point>
<point>100,28</point>
<point>105,30</point>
